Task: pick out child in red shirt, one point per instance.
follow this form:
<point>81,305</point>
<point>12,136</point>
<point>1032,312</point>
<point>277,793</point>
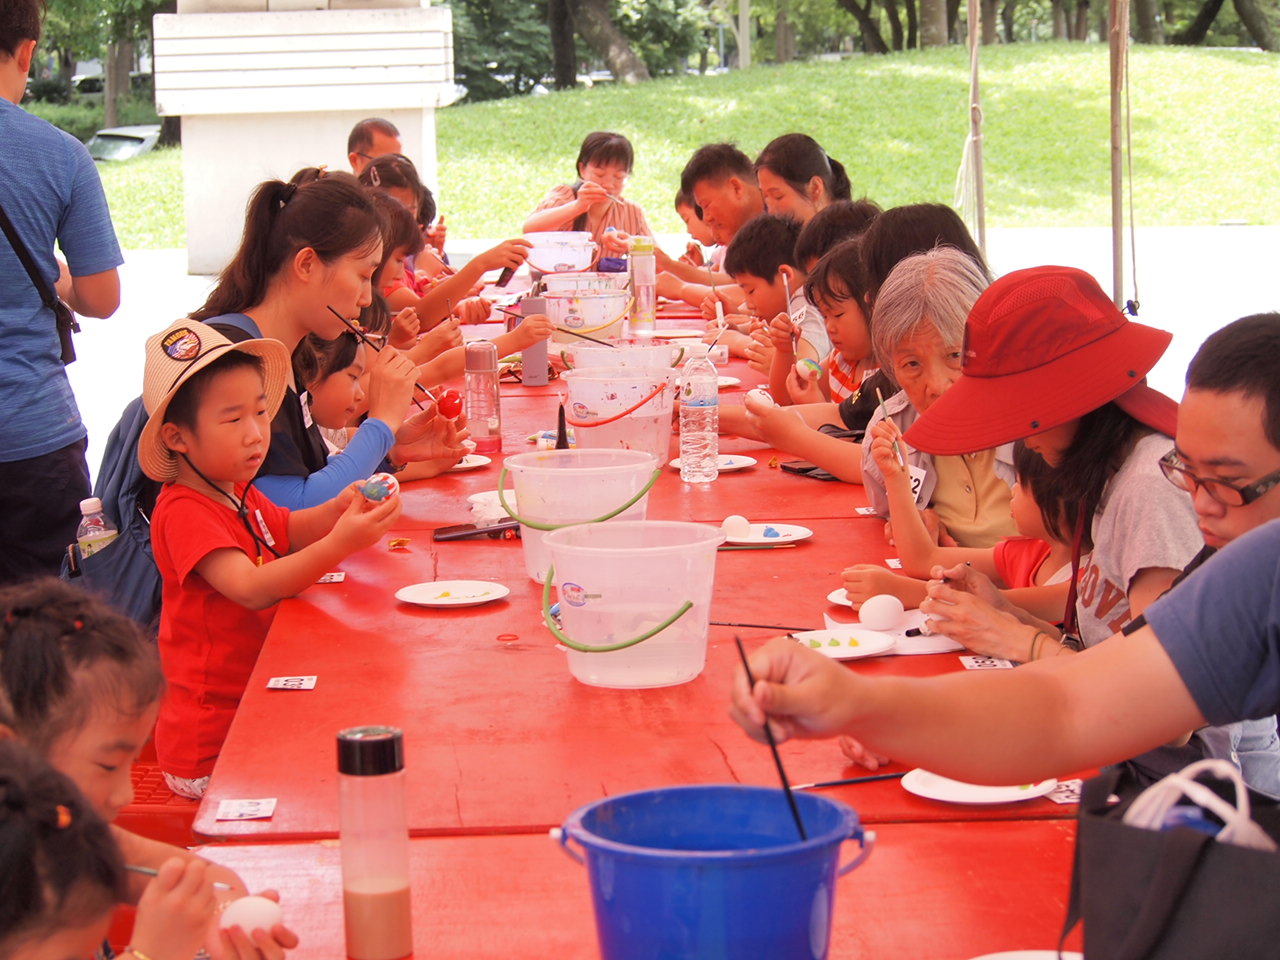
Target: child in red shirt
<point>226,553</point>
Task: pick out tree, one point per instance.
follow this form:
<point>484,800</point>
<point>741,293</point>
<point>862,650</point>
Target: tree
<point>500,47</point>
<point>872,40</point>
<point>564,52</point>
<point>1147,15</point>
<point>594,22</point>
<point>934,30</point>
<point>664,33</point>
<point>1257,24</point>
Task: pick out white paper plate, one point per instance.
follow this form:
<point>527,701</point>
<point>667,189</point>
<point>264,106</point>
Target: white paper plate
<point>933,787</point>
<point>847,644</point>
<point>728,462</point>
<point>470,462</point>
<point>786,533</point>
<point>1031,955</point>
<point>673,333</point>
<point>452,593</point>
<point>840,597</point>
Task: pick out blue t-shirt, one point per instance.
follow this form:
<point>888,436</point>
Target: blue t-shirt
<point>50,189</point>
<point>1221,628</point>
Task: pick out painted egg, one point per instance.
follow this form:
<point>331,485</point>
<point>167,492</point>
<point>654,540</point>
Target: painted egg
<point>761,396</point>
<point>808,369</point>
<point>736,527</point>
<point>251,913</point>
<point>881,612</point>
<point>380,486</point>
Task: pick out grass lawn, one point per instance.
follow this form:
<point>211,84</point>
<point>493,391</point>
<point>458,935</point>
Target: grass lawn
<point>1206,133</point>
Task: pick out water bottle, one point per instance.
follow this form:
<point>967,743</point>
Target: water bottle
<point>374,830</point>
<point>699,421</point>
<point>644,284</point>
<point>95,530</point>
<point>484,416</point>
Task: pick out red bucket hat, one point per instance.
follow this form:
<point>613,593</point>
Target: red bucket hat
<point>1042,347</point>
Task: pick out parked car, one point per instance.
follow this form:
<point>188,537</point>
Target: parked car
<point>123,143</point>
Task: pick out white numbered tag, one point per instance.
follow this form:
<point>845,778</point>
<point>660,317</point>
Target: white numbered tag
<point>918,475</point>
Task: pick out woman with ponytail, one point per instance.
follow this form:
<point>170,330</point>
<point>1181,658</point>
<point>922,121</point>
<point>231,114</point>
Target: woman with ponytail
<point>798,179</point>
<point>306,261</point>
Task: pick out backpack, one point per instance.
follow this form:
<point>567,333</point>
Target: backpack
<point>124,572</point>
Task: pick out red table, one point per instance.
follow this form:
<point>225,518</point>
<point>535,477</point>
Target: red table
<point>942,891</point>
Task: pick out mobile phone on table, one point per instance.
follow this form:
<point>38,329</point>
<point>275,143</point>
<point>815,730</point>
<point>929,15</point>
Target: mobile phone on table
<point>503,529</point>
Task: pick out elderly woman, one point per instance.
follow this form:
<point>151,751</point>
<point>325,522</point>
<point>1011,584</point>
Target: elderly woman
<point>917,336</point>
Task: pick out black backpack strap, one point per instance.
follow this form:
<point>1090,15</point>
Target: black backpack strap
<point>47,296</point>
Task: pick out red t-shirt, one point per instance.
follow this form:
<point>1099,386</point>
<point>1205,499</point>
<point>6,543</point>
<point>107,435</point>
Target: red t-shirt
<point>208,643</point>
<point>1018,559</point>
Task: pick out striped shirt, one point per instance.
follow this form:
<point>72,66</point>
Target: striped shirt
<point>622,215</point>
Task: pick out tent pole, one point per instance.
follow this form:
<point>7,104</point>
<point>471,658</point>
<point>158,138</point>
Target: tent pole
<point>1119,30</point>
<point>975,123</point>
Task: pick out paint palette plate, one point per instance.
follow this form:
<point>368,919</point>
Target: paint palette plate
<point>452,593</point>
<point>933,787</point>
<point>470,462</point>
<point>728,462</point>
<point>846,643</point>
<point>672,333</point>
<point>1031,955</point>
<point>840,597</point>
<point>773,533</point>
<point>722,381</point>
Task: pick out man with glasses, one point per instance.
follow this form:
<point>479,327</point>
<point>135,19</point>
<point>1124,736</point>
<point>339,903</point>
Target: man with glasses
<point>371,138</point>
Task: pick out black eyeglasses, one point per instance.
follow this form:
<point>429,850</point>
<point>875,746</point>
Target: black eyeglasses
<point>1222,491</point>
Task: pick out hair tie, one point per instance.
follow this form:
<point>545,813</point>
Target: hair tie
<point>64,816</point>
<point>287,193</point>
<point>77,624</point>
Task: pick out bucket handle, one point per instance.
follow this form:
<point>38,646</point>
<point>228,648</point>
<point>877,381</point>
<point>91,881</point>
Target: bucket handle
<point>867,841</point>
<point>605,326</point>
<point>564,358</point>
<point>583,648</point>
<point>561,836</point>
<point>617,416</point>
<point>536,525</point>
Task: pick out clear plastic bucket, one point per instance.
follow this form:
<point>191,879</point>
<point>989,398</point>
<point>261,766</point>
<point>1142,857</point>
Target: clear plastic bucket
<point>629,352</point>
<point>622,408</point>
<point>559,487</point>
<point>599,314</point>
<point>584,282</point>
<point>637,595</point>
<point>713,872</point>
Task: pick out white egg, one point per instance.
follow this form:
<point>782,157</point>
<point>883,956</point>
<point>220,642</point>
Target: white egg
<point>736,527</point>
<point>881,612</point>
<point>761,396</point>
<point>251,913</point>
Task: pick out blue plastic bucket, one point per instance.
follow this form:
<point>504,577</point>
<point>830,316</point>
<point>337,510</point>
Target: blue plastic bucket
<point>713,872</point>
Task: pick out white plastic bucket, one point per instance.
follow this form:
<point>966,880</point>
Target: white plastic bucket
<point>559,487</point>
<point>584,282</point>
<point>598,314</point>
<point>558,251</point>
<point>631,352</point>
<point>638,595</point>
<point>622,408</point>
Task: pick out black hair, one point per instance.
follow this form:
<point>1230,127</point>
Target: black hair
<point>915,228</point>
<point>399,231</point>
<point>764,243</point>
<point>1243,357</point>
<point>1104,439</point>
<point>833,224</point>
<point>63,652</point>
<point>315,360</point>
<point>716,161</point>
<point>59,864</point>
<point>394,170</point>
<point>426,208</point>
<point>184,406</point>
<point>683,199</point>
<point>604,147</point>
<point>327,211</point>
<point>839,275</point>
<point>797,158</point>
<point>1041,481</point>
<point>20,20</point>
<point>361,137</point>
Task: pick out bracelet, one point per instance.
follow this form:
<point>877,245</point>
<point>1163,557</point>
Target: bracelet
<point>136,952</point>
<point>1040,635</point>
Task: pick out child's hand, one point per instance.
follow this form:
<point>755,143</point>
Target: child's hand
<point>801,692</point>
<point>509,253</point>
<point>175,911</point>
<point>759,350</point>
<point>804,389</point>
<point>391,387</point>
<point>444,336</point>
<point>364,522</point>
<point>693,254</point>
<point>708,305</point>
<point>590,194</point>
<point>427,436</point>
<point>428,265</point>
<point>435,234</point>
<point>777,426</point>
<point>531,329</point>
<point>782,331</point>
<point>883,436</point>
<point>855,752</point>
<point>404,328</point>
<point>240,944</point>
<point>615,242</point>
<point>864,580</point>
<point>474,310</point>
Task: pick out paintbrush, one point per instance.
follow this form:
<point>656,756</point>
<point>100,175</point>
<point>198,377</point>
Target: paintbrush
<point>848,780</point>
<point>756,546</point>
<point>885,414</point>
<point>153,872</point>
<point>759,626</point>
<point>583,336</point>
<point>377,349</point>
<point>795,332</point>
<point>773,745</point>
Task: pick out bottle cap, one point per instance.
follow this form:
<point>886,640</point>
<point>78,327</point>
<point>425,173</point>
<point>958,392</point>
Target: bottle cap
<point>642,245</point>
<point>370,751</point>
<point>90,505</point>
<point>481,356</point>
